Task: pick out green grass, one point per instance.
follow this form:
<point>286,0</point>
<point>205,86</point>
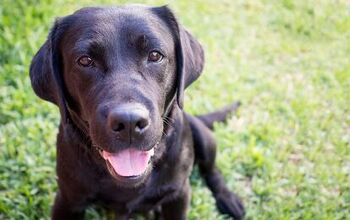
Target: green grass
<point>286,152</point>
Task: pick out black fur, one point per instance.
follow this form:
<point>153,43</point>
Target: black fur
<point>103,104</point>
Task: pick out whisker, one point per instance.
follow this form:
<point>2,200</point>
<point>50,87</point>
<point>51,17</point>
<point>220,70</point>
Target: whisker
<point>169,119</point>
<point>164,133</point>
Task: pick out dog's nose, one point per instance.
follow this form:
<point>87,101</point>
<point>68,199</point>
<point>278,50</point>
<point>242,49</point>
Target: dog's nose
<point>128,121</point>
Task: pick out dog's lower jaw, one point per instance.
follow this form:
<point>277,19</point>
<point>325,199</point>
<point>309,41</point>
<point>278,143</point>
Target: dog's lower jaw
<point>129,181</point>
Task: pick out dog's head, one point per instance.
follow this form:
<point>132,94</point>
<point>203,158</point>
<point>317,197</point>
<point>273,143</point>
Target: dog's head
<point>115,73</point>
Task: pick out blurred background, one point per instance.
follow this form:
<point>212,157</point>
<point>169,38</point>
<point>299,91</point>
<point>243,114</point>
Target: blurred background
<point>287,150</point>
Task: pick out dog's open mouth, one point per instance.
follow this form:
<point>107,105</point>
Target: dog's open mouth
<point>128,163</point>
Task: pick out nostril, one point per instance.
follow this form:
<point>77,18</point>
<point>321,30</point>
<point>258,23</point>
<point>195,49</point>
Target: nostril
<point>141,124</point>
<point>118,127</point>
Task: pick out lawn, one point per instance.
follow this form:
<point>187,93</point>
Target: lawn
<point>287,150</point>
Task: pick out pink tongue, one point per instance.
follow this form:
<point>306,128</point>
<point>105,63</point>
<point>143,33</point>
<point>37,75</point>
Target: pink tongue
<point>129,162</point>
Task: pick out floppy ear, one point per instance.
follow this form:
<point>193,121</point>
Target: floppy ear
<point>190,62</point>
<point>189,53</point>
<point>46,71</point>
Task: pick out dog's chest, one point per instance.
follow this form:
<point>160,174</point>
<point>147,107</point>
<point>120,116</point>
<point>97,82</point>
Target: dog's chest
<point>143,198</point>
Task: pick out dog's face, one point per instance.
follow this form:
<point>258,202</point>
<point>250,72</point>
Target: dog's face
<point>116,73</point>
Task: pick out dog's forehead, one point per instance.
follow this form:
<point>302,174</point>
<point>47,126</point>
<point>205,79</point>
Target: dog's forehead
<point>106,24</point>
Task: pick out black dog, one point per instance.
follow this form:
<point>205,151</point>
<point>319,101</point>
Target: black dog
<point>118,75</point>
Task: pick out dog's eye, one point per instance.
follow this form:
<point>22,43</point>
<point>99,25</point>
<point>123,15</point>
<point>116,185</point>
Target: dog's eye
<point>85,61</point>
<point>155,56</point>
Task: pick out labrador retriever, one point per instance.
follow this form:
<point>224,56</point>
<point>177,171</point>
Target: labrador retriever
<point>118,76</point>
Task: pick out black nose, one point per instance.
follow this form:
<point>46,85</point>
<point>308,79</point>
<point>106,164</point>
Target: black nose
<point>128,121</point>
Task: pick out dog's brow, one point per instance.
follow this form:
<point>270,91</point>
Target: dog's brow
<point>88,45</point>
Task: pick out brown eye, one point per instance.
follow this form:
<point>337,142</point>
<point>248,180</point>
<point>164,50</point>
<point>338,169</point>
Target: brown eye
<point>155,56</point>
<point>85,61</point>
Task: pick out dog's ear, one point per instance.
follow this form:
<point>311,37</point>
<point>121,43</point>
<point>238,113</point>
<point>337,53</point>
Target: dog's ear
<point>189,53</point>
<point>46,70</point>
